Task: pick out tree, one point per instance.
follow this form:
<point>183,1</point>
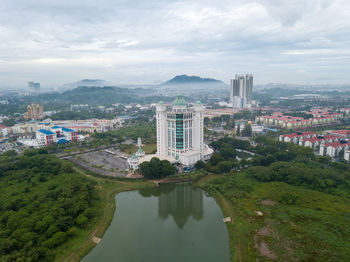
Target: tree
<point>238,130</point>
<point>199,165</point>
<point>157,168</point>
<point>247,130</point>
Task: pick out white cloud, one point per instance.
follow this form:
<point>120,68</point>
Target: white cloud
<point>158,39</point>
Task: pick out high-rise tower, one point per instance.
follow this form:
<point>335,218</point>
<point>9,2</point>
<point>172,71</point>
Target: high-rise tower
<point>241,91</point>
<point>180,132</point>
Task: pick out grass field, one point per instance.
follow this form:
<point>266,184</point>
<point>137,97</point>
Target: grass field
<point>107,188</point>
<point>316,227</point>
<point>130,149</point>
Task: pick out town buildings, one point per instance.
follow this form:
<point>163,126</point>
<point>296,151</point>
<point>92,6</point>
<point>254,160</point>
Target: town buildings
<point>283,120</point>
<point>241,91</point>
<point>85,126</point>
<point>3,131</point>
<point>53,135</point>
<point>331,144</point>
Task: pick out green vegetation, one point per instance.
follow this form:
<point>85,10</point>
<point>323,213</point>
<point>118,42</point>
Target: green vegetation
<point>43,204</point>
<point>87,114</point>
<point>107,189</point>
<point>224,158</point>
<point>50,210</point>
<point>157,168</point>
<point>247,131</point>
<point>226,121</point>
<point>142,129</point>
<point>304,202</point>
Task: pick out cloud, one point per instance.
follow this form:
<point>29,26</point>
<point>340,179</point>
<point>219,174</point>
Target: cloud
<point>134,41</point>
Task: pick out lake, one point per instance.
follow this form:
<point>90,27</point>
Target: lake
<point>171,223</point>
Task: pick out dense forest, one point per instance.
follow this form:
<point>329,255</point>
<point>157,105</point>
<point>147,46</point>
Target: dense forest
<point>43,203</point>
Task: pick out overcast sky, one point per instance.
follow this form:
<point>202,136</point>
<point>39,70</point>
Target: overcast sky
<point>145,41</point>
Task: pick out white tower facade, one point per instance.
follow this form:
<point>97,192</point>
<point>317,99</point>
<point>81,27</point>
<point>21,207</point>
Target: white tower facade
<point>180,132</point>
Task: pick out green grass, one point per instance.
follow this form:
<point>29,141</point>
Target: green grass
<point>81,244</point>
<point>131,148</point>
<point>317,228</point>
<point>149,148</point>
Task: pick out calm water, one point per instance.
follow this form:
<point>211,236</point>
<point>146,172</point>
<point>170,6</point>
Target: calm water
<point>171,223</point>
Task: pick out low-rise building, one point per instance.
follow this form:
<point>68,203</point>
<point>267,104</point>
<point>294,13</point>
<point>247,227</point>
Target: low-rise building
<point>45,137</point>
<point>315,142</point>
<point>278,119</point>
<point>342,133</point>
<point>347,155</point>
<point>296,137</point>
<point>3,131</point>
<point>324,145</point>
<point>333,149</point>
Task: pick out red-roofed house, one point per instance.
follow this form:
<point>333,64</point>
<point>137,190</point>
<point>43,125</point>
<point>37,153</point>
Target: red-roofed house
<point>316,141</point>
<point>296,137</point>
<point>343,133</point>
<point>333,149</point>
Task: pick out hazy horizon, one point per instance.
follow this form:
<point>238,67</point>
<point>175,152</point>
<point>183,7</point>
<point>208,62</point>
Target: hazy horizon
<point>137,42</point>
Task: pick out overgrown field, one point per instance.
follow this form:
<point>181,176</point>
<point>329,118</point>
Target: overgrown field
<point>297,223</point>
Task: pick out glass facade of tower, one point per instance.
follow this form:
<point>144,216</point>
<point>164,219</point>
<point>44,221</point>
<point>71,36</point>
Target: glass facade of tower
<point>179,129</point>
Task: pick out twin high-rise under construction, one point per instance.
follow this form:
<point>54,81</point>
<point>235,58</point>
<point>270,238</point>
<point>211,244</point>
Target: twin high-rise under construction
<point>241,91</point>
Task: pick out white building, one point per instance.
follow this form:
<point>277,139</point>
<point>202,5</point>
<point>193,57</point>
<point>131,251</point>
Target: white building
<point>45,137</point>
<point>180,132</point>
<point>3,131</point>
<point>347,155</point>
<point>57,134</point>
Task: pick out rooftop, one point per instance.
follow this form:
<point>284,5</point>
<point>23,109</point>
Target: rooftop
<point>46,132</point>
<point>65,129</point>
<point>179,101</point>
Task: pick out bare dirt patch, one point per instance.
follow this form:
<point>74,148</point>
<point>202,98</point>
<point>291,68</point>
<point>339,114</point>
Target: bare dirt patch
<point>267,202</point>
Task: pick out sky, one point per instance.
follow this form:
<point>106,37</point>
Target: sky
<point>146,42</point>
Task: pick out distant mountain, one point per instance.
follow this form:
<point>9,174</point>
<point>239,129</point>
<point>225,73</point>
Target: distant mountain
<point>84,82</point>
<point>185,80</point>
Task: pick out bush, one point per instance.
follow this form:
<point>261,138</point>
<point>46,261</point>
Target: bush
<point>289,199</point>
<point>81,220</point>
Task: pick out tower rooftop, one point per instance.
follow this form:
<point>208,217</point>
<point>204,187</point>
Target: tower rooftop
<point>179,101</point>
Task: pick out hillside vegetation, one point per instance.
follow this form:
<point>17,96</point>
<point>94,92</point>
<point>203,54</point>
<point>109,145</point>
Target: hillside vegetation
<point>43,204</point>
<point>304,202</point>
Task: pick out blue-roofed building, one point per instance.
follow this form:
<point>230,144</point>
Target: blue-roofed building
<point>69,134</point>
<point>62,141</point>
<point>56,134</point>
<point>45,137</point>
<point>46,132</point>
<point>65,129</point>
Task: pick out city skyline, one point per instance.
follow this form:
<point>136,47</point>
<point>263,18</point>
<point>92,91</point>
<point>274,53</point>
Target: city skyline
<point>133,42</point>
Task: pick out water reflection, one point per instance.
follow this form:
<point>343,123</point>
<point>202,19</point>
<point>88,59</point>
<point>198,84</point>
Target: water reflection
<point>179,201</point>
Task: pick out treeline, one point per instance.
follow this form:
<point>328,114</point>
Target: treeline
<point>43,204</point>
<point>224,158</point>
<point>86,114</point>
<point>279,161</point>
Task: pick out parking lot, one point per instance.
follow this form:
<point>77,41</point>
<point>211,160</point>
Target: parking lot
<point>105,162</point>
